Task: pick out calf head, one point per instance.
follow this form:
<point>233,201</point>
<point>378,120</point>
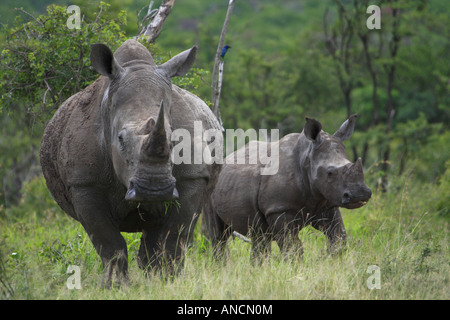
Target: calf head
<point>329,172</point>
<point>136,121</point>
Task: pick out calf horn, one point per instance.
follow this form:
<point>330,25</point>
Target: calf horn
<point>157,144</point>
<point>357,167</point>
<point>358,164</point>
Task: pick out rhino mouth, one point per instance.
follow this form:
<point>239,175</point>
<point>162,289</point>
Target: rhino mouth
<point>355,205</point>
<point>140,193</point>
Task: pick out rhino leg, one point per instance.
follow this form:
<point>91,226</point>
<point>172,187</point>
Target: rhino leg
<point>285,228</point>
<point>220,238</point>
<point>261,246</point>
<point>261,238</point>
<point>332,225</point>
<point>215,229</point>
<point>92,210</point>
<point>162,250</point>
<point>163,247</point>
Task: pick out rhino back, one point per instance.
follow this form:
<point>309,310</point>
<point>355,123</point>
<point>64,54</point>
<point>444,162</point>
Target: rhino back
<point>243,195</point>
<point>186,108</point>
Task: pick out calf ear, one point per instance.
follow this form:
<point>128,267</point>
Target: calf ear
<point>346,129</point>
<point>180,64</point>
<point>102,59</point>
<point>312,129</point>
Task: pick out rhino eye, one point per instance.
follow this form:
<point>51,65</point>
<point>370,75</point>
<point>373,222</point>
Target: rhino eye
<point>121,138</point>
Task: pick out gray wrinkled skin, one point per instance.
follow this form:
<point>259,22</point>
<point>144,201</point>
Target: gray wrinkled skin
<point>105,155</point>
<point>315,178</point>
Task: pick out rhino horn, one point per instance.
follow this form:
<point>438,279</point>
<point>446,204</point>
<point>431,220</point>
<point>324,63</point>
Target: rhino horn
<point>357,167</point>
<point>157,144</point>
<point>358,164</point>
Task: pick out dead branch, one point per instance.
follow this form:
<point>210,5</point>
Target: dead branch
<point>156,18</point>
<point>216,85</point>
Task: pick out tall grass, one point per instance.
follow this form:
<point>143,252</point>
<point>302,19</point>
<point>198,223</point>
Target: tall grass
<point>404,233</point>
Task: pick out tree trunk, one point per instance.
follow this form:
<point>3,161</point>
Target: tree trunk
<point>390,111</point>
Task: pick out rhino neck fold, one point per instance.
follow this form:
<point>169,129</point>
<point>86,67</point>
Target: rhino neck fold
<point>314,200</point>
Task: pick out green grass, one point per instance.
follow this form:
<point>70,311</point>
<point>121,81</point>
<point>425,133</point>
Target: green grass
<point>404,233</point>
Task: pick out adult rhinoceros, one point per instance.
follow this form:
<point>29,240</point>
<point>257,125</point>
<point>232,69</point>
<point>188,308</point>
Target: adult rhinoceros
<point>314,179</point>
<point>106,157</point>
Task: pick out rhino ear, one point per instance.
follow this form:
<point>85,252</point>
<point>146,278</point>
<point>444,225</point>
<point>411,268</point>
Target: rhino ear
<point>347,128</point>
<point>103,61</point>
<point>312,129</point>
<point>180,64</point>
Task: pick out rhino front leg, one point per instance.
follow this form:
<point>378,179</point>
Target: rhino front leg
<point>285,228</point>
<point>332,225</point>
<point>92,210</point>
<point>163,247</point>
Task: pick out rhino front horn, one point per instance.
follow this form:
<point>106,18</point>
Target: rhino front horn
<point>157,144</point>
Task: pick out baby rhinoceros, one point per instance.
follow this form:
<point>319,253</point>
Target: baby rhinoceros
<point>314,179</point>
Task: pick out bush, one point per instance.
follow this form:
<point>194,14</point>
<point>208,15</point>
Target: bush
<point>43,62</point>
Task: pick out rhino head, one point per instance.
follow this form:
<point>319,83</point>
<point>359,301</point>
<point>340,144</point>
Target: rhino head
<point>329,171</point>
<point>137,125</point>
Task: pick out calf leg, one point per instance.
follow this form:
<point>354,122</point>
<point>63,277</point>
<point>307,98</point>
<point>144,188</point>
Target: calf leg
<point>220,240</point>
<point>332,225</point>
<point>215,229</point>
<point>285,228</point>
<point>261,245</point>
<point>261,238</point>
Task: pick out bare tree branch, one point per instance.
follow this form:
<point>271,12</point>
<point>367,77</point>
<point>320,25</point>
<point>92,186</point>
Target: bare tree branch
<point>157,18</point>
<point>216,85</point>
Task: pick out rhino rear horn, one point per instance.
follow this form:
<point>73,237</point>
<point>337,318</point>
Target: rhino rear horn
<point>147,127</point>
<point>157,144</point>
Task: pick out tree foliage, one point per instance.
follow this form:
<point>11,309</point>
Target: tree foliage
<point>44,62</point>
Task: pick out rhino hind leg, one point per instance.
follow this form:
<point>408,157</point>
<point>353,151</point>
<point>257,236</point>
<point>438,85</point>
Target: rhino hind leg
<point>261,245</point>
<point>219,241</point>
<point>216,230</point>
<point>261,238</point>
<point>92,210</point>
